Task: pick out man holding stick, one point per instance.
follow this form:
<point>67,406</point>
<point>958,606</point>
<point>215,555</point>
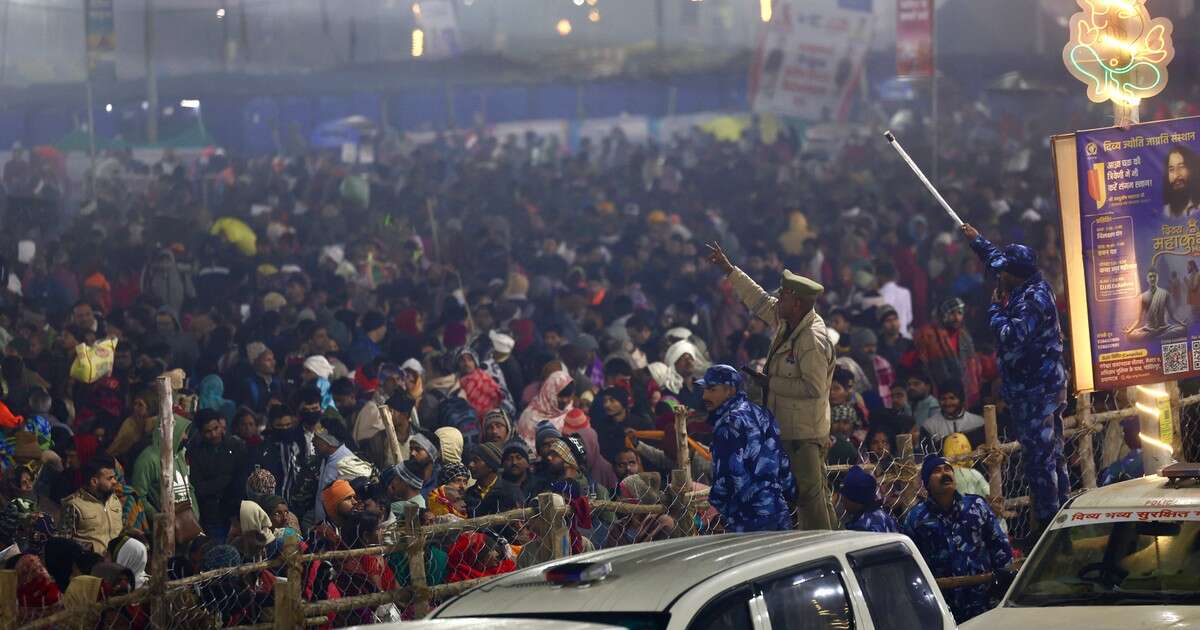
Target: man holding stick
<point>1029,347</point>
<point>796,382</point>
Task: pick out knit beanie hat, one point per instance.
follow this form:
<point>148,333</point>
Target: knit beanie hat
<point>545,430</point>
<point>929,465</point>
<point>860,487</point>
<point>489,452</point>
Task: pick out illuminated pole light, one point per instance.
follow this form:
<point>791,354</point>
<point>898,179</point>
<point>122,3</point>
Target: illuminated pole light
<point>594,15</point>
<point>578,3</point>
<point>1119,51</point>
<point>108,108</point>
<point>1155,426</point>
<point>417,9</point>
<point>418,42</point>
<point>221,13</point>
<point>190,103</point>
<point>563,27</point>
<point>591,3</point>
<point>765,10</point>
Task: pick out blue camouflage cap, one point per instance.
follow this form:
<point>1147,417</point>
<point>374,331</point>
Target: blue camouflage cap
<point>720,375</point>
<point>1016,259</point>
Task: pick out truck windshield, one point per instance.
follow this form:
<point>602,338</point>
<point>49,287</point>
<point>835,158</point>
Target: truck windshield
<point>1123,562</point>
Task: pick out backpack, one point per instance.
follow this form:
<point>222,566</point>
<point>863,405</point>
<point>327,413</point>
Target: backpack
<point>457,413</point>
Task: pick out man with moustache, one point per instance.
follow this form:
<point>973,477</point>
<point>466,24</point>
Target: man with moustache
<point>958,535</point>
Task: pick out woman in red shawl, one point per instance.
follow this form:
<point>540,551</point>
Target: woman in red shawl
<point>475,555</point>
<point>35,589</point>
<point>481,390</point>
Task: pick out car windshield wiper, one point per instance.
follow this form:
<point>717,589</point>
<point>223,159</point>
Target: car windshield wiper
<point>1106,598</point>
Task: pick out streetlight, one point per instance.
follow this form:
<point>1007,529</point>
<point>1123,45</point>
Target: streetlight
<point>563,27</point>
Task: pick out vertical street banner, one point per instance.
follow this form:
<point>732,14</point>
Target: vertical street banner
<point>810,58</point>
<point>914,39</point>
<point>101,40</point>
<point>1131,228</point>
<point>437,19</point>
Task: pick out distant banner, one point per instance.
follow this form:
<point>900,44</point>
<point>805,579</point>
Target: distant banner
<point>1139,225</point>
<point>101,40</point>
<point>436,18</point>
<point>914,38</point>
<point>810,58</point>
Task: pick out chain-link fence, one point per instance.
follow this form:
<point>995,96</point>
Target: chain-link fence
<point>405,567</point>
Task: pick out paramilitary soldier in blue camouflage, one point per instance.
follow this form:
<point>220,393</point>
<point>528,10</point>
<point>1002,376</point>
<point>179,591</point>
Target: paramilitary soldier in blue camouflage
<point>1024,319</point>
<point>958,535</point>
<point>752,477</point>
<point>859,499</point>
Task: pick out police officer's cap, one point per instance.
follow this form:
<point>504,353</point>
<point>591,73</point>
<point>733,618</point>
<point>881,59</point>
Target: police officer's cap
<point>800,285</point>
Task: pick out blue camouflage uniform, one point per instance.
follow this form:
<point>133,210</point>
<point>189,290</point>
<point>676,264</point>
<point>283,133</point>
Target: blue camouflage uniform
<point>752,475</point>
<point>1029,348</point>
<point>966,540</point>
<point>876,520</point>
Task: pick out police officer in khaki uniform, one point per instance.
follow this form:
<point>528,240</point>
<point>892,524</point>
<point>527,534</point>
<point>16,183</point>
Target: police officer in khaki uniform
<point>796,382</point>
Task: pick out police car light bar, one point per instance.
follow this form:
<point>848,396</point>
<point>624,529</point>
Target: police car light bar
<point>577,573</point>
<point>1181,471</point>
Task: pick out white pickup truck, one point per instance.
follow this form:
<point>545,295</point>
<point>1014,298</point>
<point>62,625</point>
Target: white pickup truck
<point>1119,557</point>
<point>796,580</point>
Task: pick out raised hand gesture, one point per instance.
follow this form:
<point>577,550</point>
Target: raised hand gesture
<point>717,257</point>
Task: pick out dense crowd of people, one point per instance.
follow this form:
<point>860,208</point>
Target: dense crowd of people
<point>466,324</point>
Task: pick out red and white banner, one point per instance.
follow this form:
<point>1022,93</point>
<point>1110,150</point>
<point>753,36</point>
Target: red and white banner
<point>810,59</point>
<point>914,38</point>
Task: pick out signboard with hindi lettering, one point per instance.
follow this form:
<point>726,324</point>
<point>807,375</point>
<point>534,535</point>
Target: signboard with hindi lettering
<point>1131,232</point>
<point>100,40</point>
<point>810,58</point>
<point>914,38</point>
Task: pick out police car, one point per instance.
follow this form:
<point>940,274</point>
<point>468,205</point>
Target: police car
<point>760,581</point>
<point>1122,556</point>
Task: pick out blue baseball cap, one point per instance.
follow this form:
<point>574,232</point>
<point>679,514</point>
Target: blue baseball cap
<point>720,375</point>
<point>1016,259</point>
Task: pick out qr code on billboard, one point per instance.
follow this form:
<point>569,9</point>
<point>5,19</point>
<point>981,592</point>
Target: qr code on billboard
<point>1175,357</point>
<point>1196,354</point>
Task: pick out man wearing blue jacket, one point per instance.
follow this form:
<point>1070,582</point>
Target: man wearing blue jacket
<point>752,475</point>
<point>1029,348</point>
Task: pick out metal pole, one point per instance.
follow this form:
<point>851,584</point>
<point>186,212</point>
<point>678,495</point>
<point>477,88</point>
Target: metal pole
<point>4,43</point>
<point>935,105</point>
<point>166,479</point>
<point>151,76</point>
<point>659,19</point>
<point>89,102</point>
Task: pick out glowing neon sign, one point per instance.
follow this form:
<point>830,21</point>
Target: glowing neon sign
<point>1119,51</point>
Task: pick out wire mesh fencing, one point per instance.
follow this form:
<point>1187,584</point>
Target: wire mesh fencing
<point>410,564</point>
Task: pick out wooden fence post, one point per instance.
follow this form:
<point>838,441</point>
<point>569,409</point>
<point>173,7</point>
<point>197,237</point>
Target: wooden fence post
<point>904,445</point>
<point>554,535</point>
<point>679,504</point>
<point>995,463</point>
<point>166,478</point>
<point>160,611</point>
<point>416,561</point>
<point>1083,445</point>
<point>683,458</point>
<point>8,599</point>
<point>289,595</point>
